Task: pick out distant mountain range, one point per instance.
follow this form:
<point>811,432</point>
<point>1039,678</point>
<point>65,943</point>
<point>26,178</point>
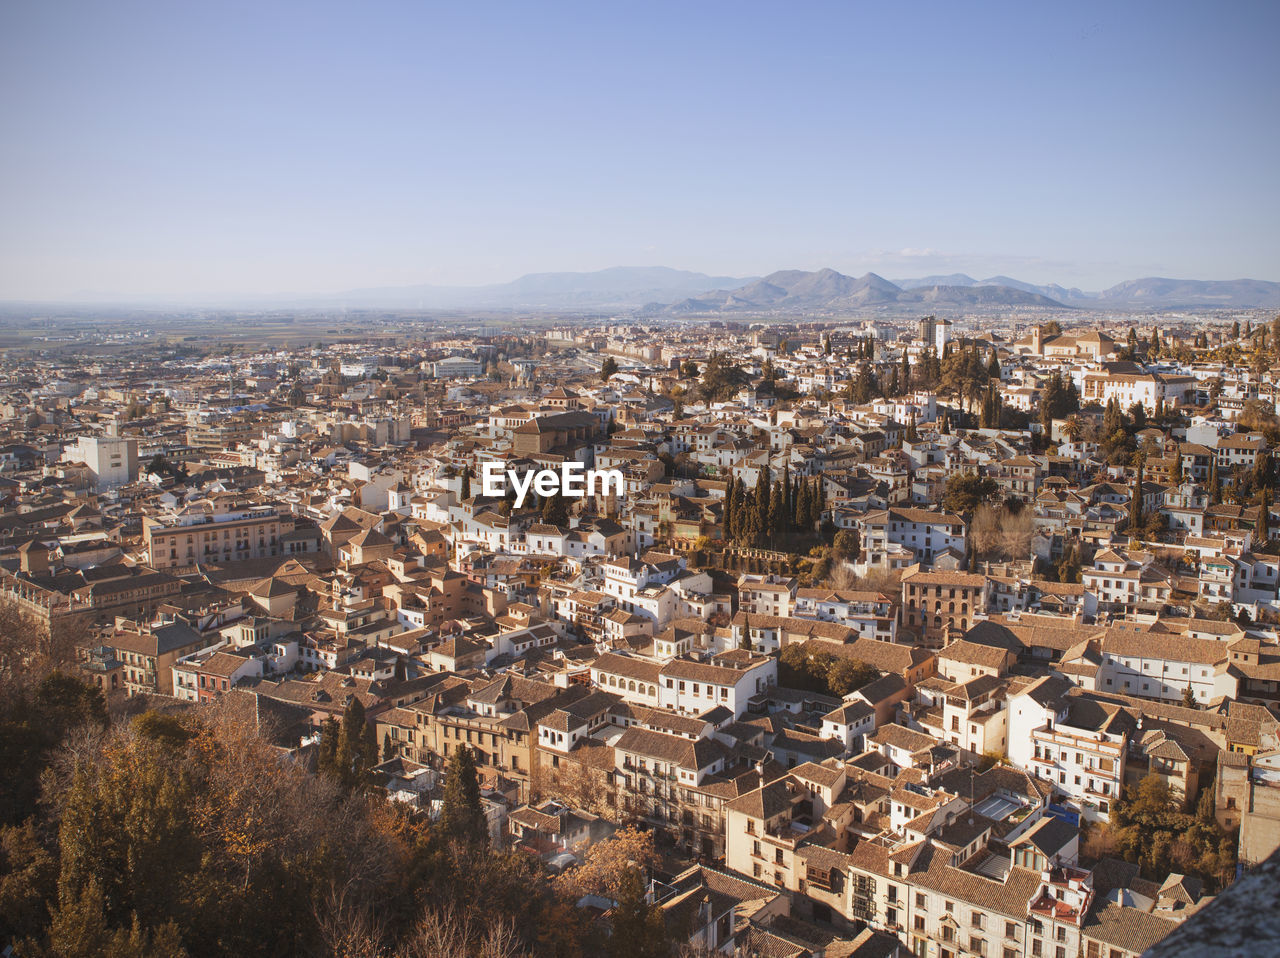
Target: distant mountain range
<point>659,291</point>
<point>1152,291</point>
<point>620,287</point>
<point>828,291</point>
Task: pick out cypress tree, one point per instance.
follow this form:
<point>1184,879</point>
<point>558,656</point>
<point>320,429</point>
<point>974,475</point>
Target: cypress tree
<point>327,751</point>
<point>777,511</point>
<point>461,814</point>
<point>803,508</point>
<point>727,524</point>
<point>788,500</point>
<point>1137,497</point>
<point>743,511</point>
<point>764,483</point>
<point>357,750</point>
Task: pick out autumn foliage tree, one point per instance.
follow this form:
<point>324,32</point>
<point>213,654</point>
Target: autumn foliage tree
<point>604,870</point>
<point>191,834</point>
<point>1151,828</point>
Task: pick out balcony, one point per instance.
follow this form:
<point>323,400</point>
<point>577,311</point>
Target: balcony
<point>1054,910</point>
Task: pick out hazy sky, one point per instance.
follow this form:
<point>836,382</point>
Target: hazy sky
<point>198,149</point>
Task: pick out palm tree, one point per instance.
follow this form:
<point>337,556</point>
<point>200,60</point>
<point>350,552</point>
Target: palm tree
<point>1073,428</point>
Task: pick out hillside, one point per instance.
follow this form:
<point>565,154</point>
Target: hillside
<point>829,291</point>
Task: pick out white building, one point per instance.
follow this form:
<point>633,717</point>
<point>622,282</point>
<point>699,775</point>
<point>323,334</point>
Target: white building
<point>729,680</point>
<point>1075,742</point>
<point>113,460</point>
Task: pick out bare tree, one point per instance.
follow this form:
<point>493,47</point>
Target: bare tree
<point>349,931</point>
<point>445,932</point>
<point>577,785</point>
<point>842,577</point>
<point>999,534</point>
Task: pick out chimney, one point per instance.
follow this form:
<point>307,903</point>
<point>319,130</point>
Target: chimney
<point>33,557</point>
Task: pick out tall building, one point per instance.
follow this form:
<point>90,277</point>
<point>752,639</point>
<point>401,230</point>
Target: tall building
<point>112,459</point>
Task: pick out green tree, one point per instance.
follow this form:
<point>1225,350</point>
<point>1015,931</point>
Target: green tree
<point>721,379</point>
<point>608,368</point>
<point>28,881</point>
<point>800,668</point>
<point>845,545</point>
<point>866,385</point>
<point>461,814</point>
<point>778,517</point>
<point>32,727</point>
<point>357,750</point>
<point>849,675</point>
<point>804,508</point>
<point>327,749</point>
<point>127,834</point>
<point>637,928</point>
<point>1136,518</point>
<point>964,493</point>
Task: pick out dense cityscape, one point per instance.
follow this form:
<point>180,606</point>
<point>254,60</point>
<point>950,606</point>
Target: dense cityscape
<point>666,480</point>
<point>932,636</point>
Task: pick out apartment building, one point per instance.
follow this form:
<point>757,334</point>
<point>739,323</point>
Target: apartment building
<point>1076,743</point>
<point>111,460</point>
<point>934,601</point>
<point>183,540</point>
<point>927,535</point>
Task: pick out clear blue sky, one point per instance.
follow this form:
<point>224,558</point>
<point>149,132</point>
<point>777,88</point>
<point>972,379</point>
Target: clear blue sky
<point>198,149</point>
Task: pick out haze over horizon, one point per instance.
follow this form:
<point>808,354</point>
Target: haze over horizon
<point>160,151</point>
